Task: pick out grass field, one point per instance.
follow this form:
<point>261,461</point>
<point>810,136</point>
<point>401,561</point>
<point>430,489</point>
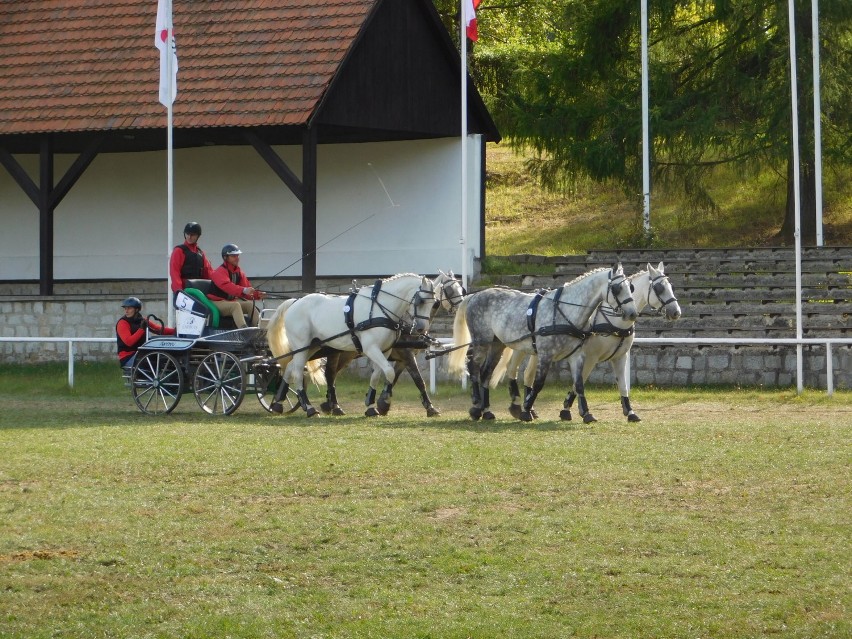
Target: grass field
<point>725,513</point>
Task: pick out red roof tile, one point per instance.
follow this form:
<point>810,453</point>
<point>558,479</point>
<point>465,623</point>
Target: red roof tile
<point>83,65</point>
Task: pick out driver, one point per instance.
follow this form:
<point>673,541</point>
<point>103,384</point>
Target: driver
<point>231,292</point>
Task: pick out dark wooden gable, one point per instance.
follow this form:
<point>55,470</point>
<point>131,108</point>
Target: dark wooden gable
<point>401,80</point>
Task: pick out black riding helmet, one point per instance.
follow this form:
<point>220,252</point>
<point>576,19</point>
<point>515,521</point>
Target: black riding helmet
<point>230,249</point>
<point>134,302</point>
<point>193,228</point>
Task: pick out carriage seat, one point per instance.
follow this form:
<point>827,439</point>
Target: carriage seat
<point>198,290</point>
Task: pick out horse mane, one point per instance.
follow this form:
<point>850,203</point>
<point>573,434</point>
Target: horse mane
<point>587,274</point>
<point>399,276</point>
<point>644,271</point>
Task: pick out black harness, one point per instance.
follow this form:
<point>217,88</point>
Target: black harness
<point>382,321</point>
<point>552,329</point>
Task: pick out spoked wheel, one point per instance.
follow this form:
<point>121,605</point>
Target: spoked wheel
<point>156,383</point>
<point>267,378</point>
<point>219,383</point>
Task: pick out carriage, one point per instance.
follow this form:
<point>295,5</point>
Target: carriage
<point>219,364</point>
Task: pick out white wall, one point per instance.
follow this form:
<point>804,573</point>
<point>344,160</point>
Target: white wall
<point>382,208</point>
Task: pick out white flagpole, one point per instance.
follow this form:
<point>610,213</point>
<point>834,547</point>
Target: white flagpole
<point>797,231</point>
<point>171,206</point>
<point>463,50</point>
<point>817,121</point>
<point>646,150</point>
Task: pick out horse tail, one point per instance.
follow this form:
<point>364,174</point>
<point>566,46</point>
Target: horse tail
<point>276,334</point>
<point>316,371</point>
<point>501,368</point>
<point>461,336</point>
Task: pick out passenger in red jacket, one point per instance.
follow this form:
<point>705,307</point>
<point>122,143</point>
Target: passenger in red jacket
<point>188,261</point>
<point>232,293</point>
<point>130,331</point>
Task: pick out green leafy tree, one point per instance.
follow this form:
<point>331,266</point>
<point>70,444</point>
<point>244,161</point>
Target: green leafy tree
<point>563,78</point>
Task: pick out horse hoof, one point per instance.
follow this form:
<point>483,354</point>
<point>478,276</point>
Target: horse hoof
<point>525,416</point>
<point>475,413</point>
<point>565,415</point>
<point>277,408</point>
<point>633,417</point>
<point>310,411</point>
<point>515,410</point>
<point>383,409</point>
<point>431,411</point>
<point>588,418</point>
<point>338,412</point>
<point>371,412</point>
<point>325,407</point>
<point>488,415</point>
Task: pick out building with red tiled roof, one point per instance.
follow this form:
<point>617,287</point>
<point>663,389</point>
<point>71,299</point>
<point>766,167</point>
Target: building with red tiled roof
<point>295,121</point>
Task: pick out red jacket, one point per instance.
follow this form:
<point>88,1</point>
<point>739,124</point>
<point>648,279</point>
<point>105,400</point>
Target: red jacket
<point>231,281</point>
<point>176,263</point>
<point>130,335</point>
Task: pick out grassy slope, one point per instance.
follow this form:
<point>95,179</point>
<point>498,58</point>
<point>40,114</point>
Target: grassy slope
<point>522,218</point>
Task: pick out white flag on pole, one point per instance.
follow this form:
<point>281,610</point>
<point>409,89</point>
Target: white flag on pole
<point>469,8</point>
<point>164,40</point>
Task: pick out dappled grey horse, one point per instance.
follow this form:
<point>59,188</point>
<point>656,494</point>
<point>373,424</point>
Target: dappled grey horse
<point>548,323</point>
<point>610,339</point>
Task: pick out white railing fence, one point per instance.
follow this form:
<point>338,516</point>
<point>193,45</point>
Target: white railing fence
<point>717,341</point>
<point>69,341</point>
<point>828,343</point>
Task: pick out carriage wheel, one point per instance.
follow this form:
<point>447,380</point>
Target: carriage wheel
<point>266,382</point>
<point>219,383</point>
<point>156,383</point>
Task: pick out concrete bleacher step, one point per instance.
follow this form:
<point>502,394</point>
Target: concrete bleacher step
<point>723,292</point>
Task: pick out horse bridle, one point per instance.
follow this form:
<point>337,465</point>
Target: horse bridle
<point>615,287</point>
<point>448,294</point>
<point>419,298</point>
<point>659,288</point>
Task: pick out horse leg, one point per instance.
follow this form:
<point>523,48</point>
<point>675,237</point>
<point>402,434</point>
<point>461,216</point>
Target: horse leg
<point>276,406</point>
<point>514,391</point>
<point>380,365</point>
<point>417,377</point>
<point>565,413</point>
<point>492,357</point>
<point>619,369</point>
<point>384,403</point>
<point>473,370</point>
<point>295,375</point>
<point>370,397</point>
<point>514,398</point>
<point>578,373</point>
<point>533,391</point>
<point>529,380</point>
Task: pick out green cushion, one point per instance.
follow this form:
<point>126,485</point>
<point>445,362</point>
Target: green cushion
<point>201,297</point>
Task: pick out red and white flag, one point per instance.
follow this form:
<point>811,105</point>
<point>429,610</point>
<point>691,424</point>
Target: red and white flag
<point>469,8</point>
<point>164,40</point>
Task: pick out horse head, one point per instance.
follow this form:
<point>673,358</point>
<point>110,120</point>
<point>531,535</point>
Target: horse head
<point>449,292</point>
<point>621,292</point>
<point>422,303</point>
<point>661,287</point>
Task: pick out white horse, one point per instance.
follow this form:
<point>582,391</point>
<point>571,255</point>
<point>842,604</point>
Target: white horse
<point>369,320</point>
<point>449,293</point>
<point>547,323</point>
<point>610,339</point>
